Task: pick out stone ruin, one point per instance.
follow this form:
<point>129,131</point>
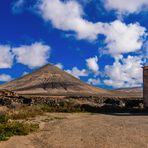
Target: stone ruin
<point>145,87</point>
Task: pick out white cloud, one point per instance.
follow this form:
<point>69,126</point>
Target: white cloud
<point>6,56</point>
<point>119,37</point>
<point>126,6</point>
<point>59,65</point>
<point>18,6</point>
<point>34,55</point>
<point>77,73</point>
<point>68,16</point>
<point>94,81</point>
<point>25,73</point>
<point>122,38</point>
<point>92,64</point>
<point>5,78</point>
<point>125,72</point>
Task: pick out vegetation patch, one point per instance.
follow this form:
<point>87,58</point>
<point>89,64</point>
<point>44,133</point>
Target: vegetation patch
<point>10,128</point>
<point>26,112</point>
<point>3,118</point>
<point>66,107</point>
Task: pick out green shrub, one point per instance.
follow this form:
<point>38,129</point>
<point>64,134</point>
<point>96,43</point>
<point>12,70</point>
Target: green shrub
<point>3,118</point>
<point>10,127</point>
<point>61,107</point>
<point>16,128</point>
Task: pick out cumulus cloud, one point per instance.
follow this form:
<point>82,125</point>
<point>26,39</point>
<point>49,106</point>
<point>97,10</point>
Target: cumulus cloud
<point>94,81</point>
<point>77,73</point>
<point>59,65</point>
<point>68,16</point>
<point>119,37</point>
<point>5,78</point>
<point>18,6</point>
<point>125,72</point>
<point>6,56</point>
<point>122,38</point>
<point>92,64</point>
<point>126,6</point>
<point>34,55</point>
<point>25,73</point>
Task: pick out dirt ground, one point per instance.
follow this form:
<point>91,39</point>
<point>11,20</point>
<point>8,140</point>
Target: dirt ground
<point>85,130</point>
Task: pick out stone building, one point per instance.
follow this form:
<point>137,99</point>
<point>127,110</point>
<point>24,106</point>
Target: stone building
<point>145,87</point>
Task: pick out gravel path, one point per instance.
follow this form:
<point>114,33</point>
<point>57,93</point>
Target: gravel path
<point>84,130</point>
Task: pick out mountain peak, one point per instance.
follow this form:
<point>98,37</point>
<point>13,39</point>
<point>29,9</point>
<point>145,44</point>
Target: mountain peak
<point>50,80</point>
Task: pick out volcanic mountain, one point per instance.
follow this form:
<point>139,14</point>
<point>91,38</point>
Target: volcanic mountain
<point>50,80</point>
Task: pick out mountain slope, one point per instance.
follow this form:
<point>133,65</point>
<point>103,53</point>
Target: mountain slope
<point>50,80</point>
<point>134,91</point>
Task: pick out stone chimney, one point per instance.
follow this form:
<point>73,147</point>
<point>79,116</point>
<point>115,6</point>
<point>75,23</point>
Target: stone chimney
<point>145,86</point>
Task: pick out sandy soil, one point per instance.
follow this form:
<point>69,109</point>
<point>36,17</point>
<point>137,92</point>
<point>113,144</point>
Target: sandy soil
<point>84,130</point>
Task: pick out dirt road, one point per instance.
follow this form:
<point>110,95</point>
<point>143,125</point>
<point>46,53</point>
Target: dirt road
<point>84,130</point>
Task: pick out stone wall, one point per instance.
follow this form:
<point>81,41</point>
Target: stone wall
<point>145,90</point>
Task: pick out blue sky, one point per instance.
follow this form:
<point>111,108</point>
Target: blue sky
<point>103,42</point>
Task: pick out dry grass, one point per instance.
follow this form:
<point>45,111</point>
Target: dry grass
<point>25,112</point>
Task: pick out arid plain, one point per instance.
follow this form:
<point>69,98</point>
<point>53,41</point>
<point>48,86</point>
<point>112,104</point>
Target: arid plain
<point>84,130</point>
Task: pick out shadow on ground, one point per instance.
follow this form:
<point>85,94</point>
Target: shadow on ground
<point>115,110</point>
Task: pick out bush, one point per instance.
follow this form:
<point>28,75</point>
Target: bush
<point>9,127</point>
<point>3,118</point>
<point>16,128</point>
<point>61,107</point>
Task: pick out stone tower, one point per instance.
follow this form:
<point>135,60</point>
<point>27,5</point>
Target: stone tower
<point>145,87</point>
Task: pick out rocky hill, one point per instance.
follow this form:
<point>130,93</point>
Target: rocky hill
<point>50,80</point>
